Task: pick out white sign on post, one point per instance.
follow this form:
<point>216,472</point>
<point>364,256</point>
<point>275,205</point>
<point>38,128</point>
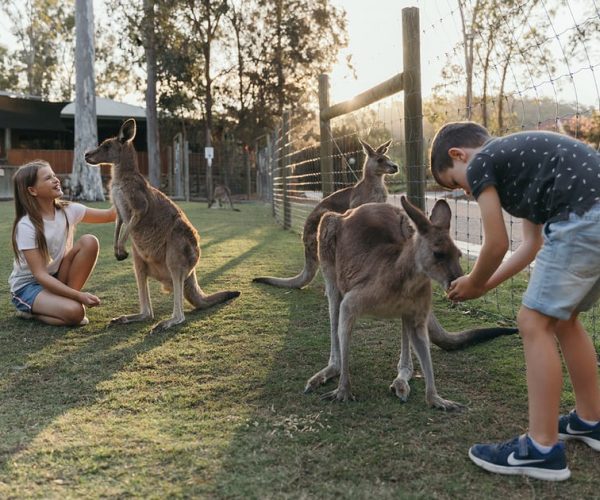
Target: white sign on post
<point>209,152</point>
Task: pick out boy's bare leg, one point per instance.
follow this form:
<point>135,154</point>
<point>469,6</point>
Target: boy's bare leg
<point>544,374</point>
<point>580,358</point>
<point>79,262</point>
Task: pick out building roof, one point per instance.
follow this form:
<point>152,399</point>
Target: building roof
<point>107,108</point>
<point>30,114</point>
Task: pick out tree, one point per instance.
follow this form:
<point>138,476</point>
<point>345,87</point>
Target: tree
<point>86,180</point>
<point>43,30</point>
<point>151,112</point>
<point>9,78</point>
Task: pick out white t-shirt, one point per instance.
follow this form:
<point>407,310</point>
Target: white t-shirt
<point>57,239</point>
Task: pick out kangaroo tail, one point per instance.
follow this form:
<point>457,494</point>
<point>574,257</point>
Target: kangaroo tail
<point>450,341</point>
<point>303,278</point>
<point>311,262</point>
<point>195,296</point>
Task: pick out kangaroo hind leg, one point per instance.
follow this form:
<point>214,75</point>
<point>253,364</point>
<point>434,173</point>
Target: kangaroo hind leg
<point>141,277</point>
<point>333,366</point>
<point>400,385</point>
<point>420,342</point>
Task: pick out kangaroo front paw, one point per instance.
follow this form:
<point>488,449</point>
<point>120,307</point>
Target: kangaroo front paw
<point>400,388</point>
<point>444,404</point>
<point>121,255</point>
<point>339,394</point>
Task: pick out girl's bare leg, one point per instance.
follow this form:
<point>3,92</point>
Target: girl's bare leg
<point>75,269</point>
<point>79,262</point>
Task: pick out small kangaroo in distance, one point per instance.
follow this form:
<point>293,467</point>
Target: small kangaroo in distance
<point>165,244</point>
<point>221,194</point>
<point>374,263</point>
<point>370,188</point>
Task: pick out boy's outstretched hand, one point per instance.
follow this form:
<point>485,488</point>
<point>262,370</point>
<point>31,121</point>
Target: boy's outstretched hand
<point>463,288</point>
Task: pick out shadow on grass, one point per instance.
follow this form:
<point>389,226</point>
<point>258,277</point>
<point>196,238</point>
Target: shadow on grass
<point>40,388</point>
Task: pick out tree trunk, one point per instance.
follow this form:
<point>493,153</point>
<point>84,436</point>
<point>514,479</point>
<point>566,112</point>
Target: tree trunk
<point>208,100</point>
<point>86,179</point>
<point>151,113</point>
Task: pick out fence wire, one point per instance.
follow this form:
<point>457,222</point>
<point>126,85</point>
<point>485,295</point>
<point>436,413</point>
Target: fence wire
<point>535,67</point>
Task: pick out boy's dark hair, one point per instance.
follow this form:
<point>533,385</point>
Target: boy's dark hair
<point>454,135</point>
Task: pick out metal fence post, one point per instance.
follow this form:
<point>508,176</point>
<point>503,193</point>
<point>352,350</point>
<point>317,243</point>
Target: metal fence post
<point>325,139</point>
<point>413,111</point>
<point>284,161</point>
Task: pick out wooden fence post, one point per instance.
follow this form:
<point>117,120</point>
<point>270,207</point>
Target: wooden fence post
<point>284,161</point>
<point>326,138</point>
<point>413,110</point>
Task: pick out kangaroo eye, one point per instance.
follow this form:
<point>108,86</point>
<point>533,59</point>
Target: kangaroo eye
<point>379,160</point>
<point>439,255</point>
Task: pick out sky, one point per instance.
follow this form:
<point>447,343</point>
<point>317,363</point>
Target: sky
<point>375,47</point>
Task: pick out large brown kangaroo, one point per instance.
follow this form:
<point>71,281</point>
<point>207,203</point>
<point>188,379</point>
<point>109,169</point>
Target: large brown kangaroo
<point>371,189</point>
<point>165,245</point>
<point>375,263</point>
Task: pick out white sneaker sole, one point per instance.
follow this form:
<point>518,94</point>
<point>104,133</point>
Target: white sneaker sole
<point>594,444</point>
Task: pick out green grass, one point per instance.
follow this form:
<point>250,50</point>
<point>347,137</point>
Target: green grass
<point>214,408</point>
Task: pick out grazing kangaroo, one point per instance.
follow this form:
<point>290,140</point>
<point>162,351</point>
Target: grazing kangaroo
<point>375,263</point>
<point>165,244</point>
<point>221,194</point>
<point>371,189</point>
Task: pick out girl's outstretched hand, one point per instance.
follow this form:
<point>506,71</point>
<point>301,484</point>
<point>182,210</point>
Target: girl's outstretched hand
<point>88,299</point>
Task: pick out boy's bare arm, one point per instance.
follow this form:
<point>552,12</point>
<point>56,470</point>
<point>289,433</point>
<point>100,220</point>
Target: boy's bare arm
<point>495,246</point>
<point>521,257</point>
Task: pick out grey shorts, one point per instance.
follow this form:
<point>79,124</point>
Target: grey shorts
<point>566,275</point>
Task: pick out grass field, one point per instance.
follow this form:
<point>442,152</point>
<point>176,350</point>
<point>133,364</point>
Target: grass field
<point>214,408</point>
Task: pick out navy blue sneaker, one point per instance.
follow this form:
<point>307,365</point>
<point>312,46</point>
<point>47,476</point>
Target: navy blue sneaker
<point>520,456</point>
<point>571,427</point>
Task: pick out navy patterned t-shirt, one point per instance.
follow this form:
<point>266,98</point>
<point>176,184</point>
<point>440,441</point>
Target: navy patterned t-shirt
<point>539,176</point>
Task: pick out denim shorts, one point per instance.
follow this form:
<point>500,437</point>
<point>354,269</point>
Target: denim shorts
<point>566,275</point>
<point>23,298</point>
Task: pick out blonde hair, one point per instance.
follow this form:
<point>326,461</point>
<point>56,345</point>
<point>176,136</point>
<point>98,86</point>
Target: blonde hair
<point>25,204</point>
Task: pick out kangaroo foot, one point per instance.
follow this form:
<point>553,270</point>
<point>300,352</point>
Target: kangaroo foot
<point>339,394</point>
<point>400,388</point>
<point>129,318</point>
<point>321,377</point>
<point>166,324</point>
<point>443,404</point>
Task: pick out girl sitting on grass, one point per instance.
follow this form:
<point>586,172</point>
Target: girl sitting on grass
<point>49,271</point>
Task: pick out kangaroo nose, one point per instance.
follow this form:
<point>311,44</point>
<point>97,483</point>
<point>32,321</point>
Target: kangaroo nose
<point>394,168</point>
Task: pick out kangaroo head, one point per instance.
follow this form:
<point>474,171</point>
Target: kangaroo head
<point>110,150</point>
<point>377,162</point>
<point>436,255</point>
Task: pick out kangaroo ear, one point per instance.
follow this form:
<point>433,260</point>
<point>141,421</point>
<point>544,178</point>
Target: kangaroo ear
<point>367,149</point>
<point>383,148</point>
<point>441,214</point>
<point>127,131</point>
<point>416,215</point>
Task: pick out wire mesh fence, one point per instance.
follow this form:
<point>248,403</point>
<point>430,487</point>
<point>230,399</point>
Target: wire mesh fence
<point>511,66</point>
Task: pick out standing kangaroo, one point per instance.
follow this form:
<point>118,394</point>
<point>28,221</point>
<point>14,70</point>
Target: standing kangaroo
<point>165,245</point>
<point>221,194</point>
<point>371,189</point>
<point>374,263</point>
